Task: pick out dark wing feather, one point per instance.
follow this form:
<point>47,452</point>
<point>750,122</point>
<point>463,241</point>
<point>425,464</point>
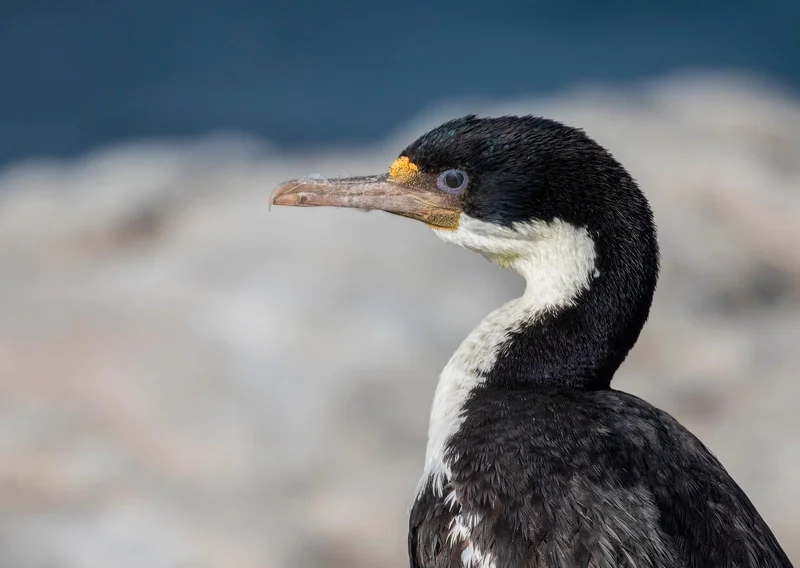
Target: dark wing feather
<point>429,525</point>
<point>604,481</point>
<point>703,511</point>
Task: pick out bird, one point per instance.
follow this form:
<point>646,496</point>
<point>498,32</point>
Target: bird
<point>533,460</point>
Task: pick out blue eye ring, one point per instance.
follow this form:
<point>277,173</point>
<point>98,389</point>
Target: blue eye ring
<point>452,181</point>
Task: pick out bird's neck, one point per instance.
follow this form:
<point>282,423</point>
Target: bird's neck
<point>581,312</point>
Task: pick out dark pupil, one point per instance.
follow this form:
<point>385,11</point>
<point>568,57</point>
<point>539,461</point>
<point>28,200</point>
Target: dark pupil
<point>454,179</point>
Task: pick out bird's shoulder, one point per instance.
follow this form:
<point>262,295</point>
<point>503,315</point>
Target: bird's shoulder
<point>589,479</point>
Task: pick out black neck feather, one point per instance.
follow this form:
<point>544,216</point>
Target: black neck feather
<point>583,345</point>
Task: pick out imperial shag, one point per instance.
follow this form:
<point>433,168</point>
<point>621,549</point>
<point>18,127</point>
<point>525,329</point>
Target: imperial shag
<point>533,460</point>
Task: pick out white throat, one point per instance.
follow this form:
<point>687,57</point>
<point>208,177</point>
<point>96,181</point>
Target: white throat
<point>557,260</point>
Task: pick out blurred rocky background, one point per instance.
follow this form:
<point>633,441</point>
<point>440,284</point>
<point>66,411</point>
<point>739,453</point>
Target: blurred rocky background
<point>189,380</point>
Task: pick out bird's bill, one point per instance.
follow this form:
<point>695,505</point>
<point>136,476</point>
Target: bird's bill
<point>432,206</point>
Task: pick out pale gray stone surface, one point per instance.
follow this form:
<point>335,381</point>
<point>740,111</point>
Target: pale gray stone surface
<point>187,380</point>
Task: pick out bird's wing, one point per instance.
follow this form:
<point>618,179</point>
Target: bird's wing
<point>702,510</point>
<point>429,525</point>
<point>577,532</point>
<point>640,492</point>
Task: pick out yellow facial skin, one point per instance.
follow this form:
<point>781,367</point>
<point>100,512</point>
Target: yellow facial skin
<point>404,170</point>
<point>407,192</point>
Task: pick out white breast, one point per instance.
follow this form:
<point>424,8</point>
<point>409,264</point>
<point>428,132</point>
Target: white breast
<point>557,261</point>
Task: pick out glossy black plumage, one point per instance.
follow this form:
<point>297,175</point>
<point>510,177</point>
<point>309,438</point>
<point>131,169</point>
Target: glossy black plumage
<point>588,479</point>
<point>559,469</point>
<point>525,168</point>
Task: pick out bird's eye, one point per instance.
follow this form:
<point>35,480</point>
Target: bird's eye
<point>452,181</point>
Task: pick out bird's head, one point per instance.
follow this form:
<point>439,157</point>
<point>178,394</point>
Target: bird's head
<point>544,200</point>
<point>529,193</point>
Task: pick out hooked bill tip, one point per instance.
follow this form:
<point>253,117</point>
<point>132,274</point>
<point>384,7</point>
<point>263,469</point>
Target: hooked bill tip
<point>285,193</point>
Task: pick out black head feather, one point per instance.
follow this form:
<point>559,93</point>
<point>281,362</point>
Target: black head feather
<point>524,168</point>
<point>528,168</point>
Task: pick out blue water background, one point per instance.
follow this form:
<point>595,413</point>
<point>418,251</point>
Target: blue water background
<point>80,74</point>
